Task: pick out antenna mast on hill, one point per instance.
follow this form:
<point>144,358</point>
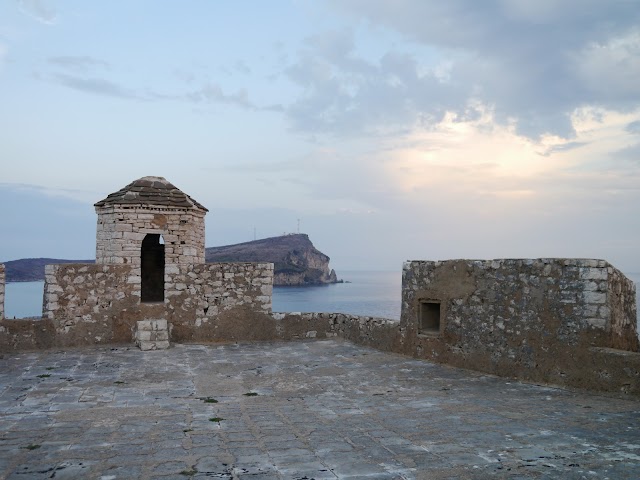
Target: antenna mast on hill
<point>298,225</point>
<point>254,233</point>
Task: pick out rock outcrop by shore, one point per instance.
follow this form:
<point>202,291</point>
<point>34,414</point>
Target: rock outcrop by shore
<point>296,261</point>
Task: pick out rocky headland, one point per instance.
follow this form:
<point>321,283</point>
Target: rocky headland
<point>296,261</point>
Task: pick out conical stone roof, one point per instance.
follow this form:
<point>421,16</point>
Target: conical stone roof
<point>147,191</point>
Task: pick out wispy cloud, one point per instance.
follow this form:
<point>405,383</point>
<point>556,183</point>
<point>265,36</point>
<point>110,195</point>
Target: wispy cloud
<point>213,93</point>
<point>3,54</point>
<point>39,10</point>
<point>79,63</point>
<point>76,194</point>
<point>633,127</point>
<point>564,147</point>
<point>630,153</point>
<point>98,86</point>
<point>209,93</point>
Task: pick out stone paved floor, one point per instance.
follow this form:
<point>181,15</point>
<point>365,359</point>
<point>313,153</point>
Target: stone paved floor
<point>323,410</point>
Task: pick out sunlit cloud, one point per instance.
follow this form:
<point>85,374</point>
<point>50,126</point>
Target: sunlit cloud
<point>482,157</point>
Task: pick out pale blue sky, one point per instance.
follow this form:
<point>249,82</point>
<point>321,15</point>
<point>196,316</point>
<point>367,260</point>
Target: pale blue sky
<point>394,130</point>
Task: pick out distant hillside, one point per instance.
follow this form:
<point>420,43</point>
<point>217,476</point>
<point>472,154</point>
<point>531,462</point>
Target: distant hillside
<point>32,269</point>
<point>296,260</point>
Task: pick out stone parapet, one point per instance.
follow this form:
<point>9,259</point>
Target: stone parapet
<point>590,368</point>
<point>507,305</point>
<point>534,319</point>
<point>92,304</point>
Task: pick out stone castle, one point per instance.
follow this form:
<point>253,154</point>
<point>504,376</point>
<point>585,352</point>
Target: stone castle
<point>569,322</point>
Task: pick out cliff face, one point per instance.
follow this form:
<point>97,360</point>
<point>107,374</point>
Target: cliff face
<point>296,261</point>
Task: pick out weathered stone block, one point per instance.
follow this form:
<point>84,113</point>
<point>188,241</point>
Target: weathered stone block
<point>157,345</point>
<point>143,335</point>
<point>152,334</point>
<point>593,273</point>
<point>161,336</point>
<point>594,297</point>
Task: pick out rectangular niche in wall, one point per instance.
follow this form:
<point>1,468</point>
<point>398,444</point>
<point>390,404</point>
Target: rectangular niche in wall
<point>429,317</point>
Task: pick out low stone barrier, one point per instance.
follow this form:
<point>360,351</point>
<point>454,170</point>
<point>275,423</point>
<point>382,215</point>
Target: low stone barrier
<point>561,322</point>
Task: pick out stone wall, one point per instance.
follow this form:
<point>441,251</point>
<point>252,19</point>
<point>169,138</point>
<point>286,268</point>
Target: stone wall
<point>120,231</point>
<point>538,320</point>
<point>587,367</point>
<point>375,332</point>
<point>562,322</point>
<point>89,304</point>
<point>2,283</point>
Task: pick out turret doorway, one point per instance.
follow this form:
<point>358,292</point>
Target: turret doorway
<point>152,268</point>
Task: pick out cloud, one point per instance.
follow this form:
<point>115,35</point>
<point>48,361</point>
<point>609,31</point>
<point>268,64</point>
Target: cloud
<point>98,86</point>
<point>39,10</point>
<point>207,94</point>
<point>346,95</point>
<point>630,153</point>
<point>242,67</point>
<point>79,63</point>
<point>610,69</point>
<point>633,127</point>
<point>3,54</point>
<point>563,147</point>
<point>213,93</point>
<point>534,62</point>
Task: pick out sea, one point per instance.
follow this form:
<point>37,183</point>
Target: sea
<point>375,294</point>
<point>368,293</point>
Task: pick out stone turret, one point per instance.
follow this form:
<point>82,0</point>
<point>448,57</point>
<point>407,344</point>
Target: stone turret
<point>149,212</point>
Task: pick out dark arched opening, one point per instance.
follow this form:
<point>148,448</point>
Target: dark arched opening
<point>152,269</point>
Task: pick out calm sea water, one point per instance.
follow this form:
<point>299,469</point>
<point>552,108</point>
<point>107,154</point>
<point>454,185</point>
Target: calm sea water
<point>368,293</point>
<point>375,294</point>
<point>23,299</point>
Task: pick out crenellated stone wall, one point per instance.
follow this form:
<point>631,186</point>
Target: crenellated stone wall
<point>2,283</point>
<point>121,229</point>
<point>89,304</point>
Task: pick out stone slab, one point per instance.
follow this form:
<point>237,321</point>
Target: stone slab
<point>316,409</point>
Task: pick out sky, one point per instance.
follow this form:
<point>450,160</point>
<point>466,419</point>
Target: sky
<point>386,130</point>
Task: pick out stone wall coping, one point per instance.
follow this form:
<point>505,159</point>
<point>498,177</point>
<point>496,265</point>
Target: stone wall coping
<point>573,262</point>
<point>264,265</point>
